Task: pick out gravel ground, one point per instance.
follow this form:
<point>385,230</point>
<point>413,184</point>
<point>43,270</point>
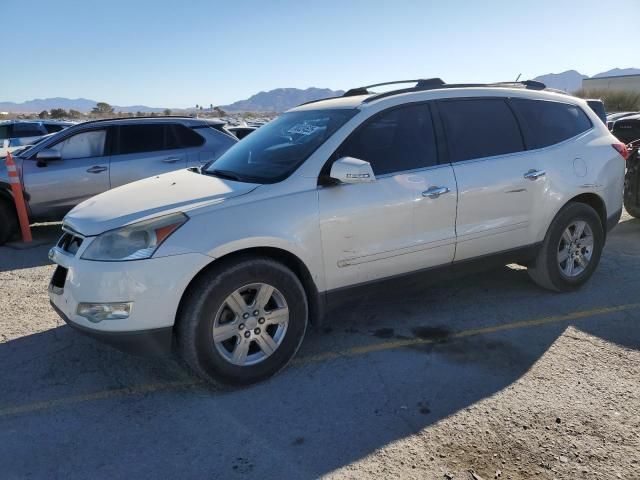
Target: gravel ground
<point>442,383</point>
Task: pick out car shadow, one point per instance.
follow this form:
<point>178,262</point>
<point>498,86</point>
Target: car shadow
<point>17,255</point>
<point>319,414</point>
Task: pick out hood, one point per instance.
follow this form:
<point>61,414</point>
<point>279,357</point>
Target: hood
<point>178,191</point>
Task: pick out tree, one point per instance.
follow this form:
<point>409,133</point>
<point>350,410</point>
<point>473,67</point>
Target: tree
<point>197,106</point>
<point>75,114</point>
<point>219,112</point>
<point>614,100</point>
<point>102,108</point>
<point>167,111</point>
<point>211,106</point>
<point>58,113</point>
<point>43,114</point>
<point>139,114</point>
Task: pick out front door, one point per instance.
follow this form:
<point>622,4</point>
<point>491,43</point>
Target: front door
<point>389,227</point>
<point>55,187</point>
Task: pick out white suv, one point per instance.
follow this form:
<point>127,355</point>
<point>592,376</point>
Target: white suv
<point>229,264</point>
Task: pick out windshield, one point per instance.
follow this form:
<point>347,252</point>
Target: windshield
<point>274,151</point>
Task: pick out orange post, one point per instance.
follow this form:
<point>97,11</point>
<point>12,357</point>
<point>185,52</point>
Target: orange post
<point>21,206</point>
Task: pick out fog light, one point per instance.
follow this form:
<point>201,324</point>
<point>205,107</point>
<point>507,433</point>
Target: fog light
<point>97,312</point>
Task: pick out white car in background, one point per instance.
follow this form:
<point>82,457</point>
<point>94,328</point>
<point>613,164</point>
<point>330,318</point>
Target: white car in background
<point>231,263</point>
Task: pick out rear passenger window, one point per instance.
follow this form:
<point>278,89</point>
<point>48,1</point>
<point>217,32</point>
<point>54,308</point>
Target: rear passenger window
<point>546,123</point>
<point>394,141</point>
<point>479,128</point>
<point>140,138</point>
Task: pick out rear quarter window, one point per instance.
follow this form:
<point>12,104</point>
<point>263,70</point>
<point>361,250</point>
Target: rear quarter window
<point>546,123</point>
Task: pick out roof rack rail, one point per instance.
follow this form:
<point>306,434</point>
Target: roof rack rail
<point>427,84</point>
<point>436,83</point>
<point>420,83</point>
<point>146,117</point>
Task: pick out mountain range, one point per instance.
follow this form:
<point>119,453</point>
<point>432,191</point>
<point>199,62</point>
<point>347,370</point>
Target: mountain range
<point>571,80</point>
<point>280,99</point>
<point>80,104</point>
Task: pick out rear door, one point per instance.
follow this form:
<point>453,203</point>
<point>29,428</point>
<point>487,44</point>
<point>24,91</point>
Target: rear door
<point>56,187</point>
<point>141,150</point>
<point>495,198</point>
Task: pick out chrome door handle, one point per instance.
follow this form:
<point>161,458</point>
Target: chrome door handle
<point>534,174</point>
<point>96,169</point>
<point>435,192</point>
<point>171,159</point>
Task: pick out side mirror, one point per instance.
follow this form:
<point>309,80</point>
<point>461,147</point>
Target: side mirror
<point>352,170</point>
<point>47,155</point>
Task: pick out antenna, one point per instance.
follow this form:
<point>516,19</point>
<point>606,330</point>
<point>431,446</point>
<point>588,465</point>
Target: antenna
<point>518,77</point>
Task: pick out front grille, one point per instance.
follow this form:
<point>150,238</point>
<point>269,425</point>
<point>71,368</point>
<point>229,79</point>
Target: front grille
<point>58,279</point>
<point>70,243</point>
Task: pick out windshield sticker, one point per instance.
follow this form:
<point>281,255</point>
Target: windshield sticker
<point>303,129</point>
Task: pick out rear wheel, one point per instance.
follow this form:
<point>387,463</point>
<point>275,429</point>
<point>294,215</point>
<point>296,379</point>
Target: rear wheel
<point>8,221</point>
<point>243,322</point>
<point>632,188</point>
<point>571,249</point>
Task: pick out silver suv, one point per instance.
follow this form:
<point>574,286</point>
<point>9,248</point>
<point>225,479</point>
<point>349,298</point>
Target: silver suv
<point>92,157</point>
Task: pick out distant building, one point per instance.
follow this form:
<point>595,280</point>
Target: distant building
<point>629,83</point>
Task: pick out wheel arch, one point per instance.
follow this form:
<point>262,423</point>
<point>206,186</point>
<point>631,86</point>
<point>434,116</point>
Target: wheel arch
<point>293,262</point>
<point>596,202</point>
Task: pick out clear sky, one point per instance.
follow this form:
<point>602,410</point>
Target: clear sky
<point>178,53</point>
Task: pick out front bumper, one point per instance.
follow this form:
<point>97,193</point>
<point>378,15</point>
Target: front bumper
<point>154,286</point>
<point>142,342</point>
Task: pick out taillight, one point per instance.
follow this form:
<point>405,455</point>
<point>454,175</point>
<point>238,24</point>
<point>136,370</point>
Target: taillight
<point>621,148</point>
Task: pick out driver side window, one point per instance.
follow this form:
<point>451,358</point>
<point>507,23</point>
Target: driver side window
<point>395,140</point>
<point>82,145</point>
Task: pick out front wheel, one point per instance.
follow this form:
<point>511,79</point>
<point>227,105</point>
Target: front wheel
<point>242,322</point>
<point>571,249</point>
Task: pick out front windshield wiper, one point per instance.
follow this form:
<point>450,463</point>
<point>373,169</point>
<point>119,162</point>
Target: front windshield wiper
<point>224,174</point>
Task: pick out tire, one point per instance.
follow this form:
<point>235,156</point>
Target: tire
<point>547,271</point>
<point>8,221</point>
<point>214,298</point>
<point>632,189</point>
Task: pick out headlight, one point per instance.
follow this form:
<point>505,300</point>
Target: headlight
<point>134,242</point>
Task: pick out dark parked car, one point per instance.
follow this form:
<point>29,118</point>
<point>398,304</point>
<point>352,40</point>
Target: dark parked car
<point>632,181</point>
<point>17,133</point>
<point>627,129</point>
<point>241,132</point>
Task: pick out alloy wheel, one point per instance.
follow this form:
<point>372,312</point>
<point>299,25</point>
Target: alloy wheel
<point>251,324</point>
<point>575,249</point>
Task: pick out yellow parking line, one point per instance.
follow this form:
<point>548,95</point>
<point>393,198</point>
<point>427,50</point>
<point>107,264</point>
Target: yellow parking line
<point>104,394</point>
<point>376,347</point>
<point>349,352</point>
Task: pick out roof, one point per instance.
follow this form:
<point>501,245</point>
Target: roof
<point>635,75</point>
<point>39,120</point>
<point>527,89</point>
<point>117,120</point>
